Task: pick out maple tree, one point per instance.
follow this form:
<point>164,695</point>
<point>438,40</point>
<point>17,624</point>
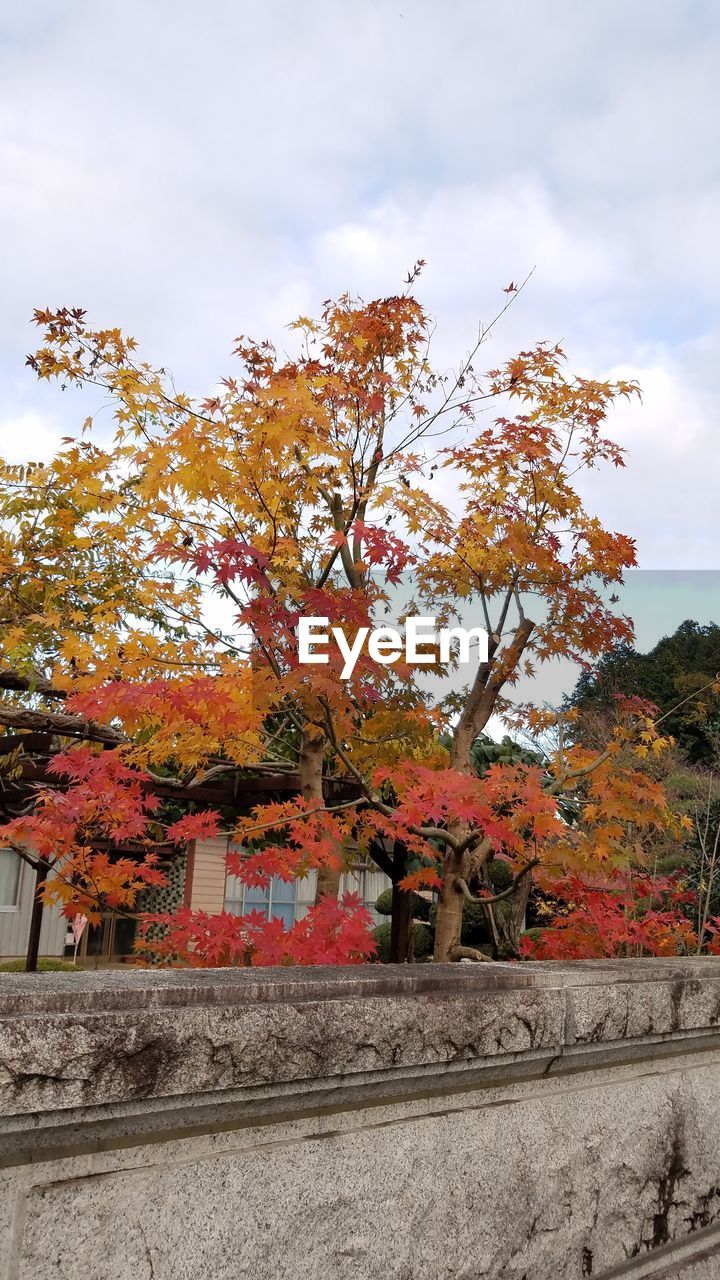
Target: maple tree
<point>72,838</point>
<point>623,913</point>
<point>317,485</point>
<point>664,899</point>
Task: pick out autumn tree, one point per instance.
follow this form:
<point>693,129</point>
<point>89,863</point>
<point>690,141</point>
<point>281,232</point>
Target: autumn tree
<point>661,900</point>
<point>317,485</point>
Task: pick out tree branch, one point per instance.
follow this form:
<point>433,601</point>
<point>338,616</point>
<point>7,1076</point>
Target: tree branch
<point>496,897</point>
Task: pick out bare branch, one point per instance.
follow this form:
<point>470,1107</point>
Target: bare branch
<point>496,897</point>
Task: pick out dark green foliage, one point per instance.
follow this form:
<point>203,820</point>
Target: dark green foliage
<point>383,903</point>
<point>485,752</point>
<point>672,862</point>
<point>422,941</point>
<point>500,874</point>
<point>420,906</point>
<point>475,925</point>
<point>679,665</point>
<point>381,934</point>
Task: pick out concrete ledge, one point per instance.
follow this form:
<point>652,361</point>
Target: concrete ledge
<point>567,1114</point>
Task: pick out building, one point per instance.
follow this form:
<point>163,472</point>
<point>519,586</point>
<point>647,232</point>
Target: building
<point>197,876</point>
<point>17,885</point>
<point>197,879</point>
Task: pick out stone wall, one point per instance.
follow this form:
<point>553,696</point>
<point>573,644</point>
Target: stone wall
<point>533,1121</point>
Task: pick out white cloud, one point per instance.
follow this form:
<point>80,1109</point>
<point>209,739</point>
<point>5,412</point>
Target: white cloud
<point>28,438</point>
<point>195,174</point>
<point>666,497</point>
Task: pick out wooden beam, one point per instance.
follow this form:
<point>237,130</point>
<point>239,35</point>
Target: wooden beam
<point>36,683</point>
<point>57,722</point>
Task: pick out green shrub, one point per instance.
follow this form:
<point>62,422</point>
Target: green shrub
<point>422,941</point>
<point>420,906</point>
<point>383,903</point>
<point>500,874</point>
<point>673,862</point>
<point>475,925</point>
<point>381,934</point>
<point>534,934</point>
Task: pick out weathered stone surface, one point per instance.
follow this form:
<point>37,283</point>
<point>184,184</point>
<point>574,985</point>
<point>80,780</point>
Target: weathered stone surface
<point>441,1123</point>
<point>68,1050</point>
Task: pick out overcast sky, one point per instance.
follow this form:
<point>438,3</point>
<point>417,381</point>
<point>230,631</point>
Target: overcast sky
<point>193,171</point>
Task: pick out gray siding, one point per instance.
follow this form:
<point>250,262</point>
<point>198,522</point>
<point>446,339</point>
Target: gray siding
<point>15,923</point>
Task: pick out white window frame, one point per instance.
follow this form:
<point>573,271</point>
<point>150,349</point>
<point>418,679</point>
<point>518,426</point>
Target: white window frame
<point>303,896</point>
<point>7,907</point>
<point>352,881</point>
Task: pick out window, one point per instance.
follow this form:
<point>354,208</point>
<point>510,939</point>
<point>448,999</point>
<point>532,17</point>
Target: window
<point>290,900</point>
<point>368,882</point>
<point>10,866</point>
<point>286,900</point>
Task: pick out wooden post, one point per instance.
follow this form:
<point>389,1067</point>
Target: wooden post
<point>401,918</point>
<point>36,918</point>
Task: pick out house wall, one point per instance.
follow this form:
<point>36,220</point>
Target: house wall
<point>206,868</point>
<point>467,1122</point>
<point>15,922</point>
<point>205,880</point>
<point>211,890</point>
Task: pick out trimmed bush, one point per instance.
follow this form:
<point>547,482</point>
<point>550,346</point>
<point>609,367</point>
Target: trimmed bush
<point>673,862</point>
<point>422,941</point>
<point>500,874</point>
<point>383,904</point>
<point>420,906</point>
<point>475,925</point>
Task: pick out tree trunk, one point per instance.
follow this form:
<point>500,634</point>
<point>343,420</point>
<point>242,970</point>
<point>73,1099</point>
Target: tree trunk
<point>328,883</point>
<point>449,911</point>
<point>312,750</point>
<point>480,705</point>
<point>509,918</point>
<point>448,922</point>
<point>36,918</point>
<point>401,917</point>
